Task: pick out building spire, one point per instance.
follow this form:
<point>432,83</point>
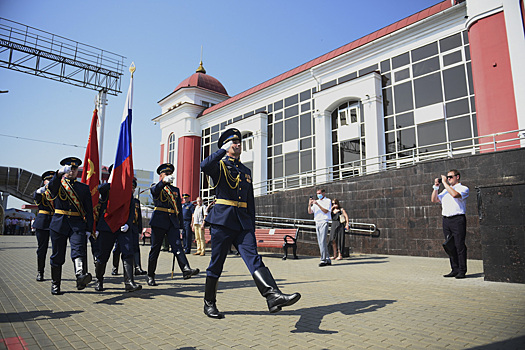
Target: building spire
<point>201,68</point>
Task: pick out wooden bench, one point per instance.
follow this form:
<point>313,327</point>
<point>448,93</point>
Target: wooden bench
<point>272,238</point>
<point>146,234</point>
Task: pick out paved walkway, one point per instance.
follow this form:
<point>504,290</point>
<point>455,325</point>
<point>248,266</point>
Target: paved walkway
<point>364,302</point>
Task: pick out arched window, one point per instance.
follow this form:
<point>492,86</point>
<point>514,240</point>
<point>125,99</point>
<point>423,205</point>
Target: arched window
<point>171,149</point>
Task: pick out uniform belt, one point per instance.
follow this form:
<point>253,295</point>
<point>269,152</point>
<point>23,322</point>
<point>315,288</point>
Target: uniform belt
<point>171,211</point>
<point>45,212</point>
<point>67,212</point>
<point>231,203</point>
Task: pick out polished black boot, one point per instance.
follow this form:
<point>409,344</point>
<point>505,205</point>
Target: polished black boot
<point>210,294</point>
<point>100,269</point>
<point>116,258</point>
<point>56,278</point>
<point>152,266</point>
<point>129,283</point>
<point>83,277</point>
<point>138,267</point>
<point>41,263</point>
<point>268,289</point>
<point>184,265</point>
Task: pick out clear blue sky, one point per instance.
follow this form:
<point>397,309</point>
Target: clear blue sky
<point>245,43</point>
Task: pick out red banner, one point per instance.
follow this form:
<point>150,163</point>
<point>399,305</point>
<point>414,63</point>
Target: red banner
<point>90,173</point>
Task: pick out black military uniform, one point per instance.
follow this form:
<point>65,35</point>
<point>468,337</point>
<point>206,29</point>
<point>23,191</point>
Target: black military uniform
<point>167,221</point>
<point>41,224</point>
<point>136,230</point>
<point>107,238</point>
<point>187,212</point>
<point>232,220</point>
<point>73,219</point>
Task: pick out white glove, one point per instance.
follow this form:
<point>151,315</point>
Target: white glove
<point>168,179</point>
<point>124,228</point>
<point>65,169</point>
<point>88,234</point>
<point>227,145</point>
<point>41,190</point>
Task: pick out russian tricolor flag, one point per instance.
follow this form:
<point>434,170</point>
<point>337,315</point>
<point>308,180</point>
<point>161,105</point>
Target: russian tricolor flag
<point>121,179</point>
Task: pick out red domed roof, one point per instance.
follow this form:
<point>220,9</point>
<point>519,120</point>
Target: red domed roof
<point>202,80</point>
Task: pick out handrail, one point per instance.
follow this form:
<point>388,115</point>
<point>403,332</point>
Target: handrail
<point>310,224</point>
<point>393,160</point>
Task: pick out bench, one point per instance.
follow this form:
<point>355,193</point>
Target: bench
<point>272,238</point>
<point>146,234</point>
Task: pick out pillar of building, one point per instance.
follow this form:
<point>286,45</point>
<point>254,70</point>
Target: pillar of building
<point>323,146</point>
<point>188,165</point>
<point>492,73</point>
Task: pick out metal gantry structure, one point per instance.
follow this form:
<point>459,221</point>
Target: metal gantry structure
<point>33,51</point>
<point>37,52</point>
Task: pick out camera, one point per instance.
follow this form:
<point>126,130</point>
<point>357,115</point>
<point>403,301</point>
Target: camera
<point>439,180</point>
<point>311,197</point>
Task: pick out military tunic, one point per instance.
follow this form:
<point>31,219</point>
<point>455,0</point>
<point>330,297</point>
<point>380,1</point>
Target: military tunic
<point>232,218</point>
<point>70,220</point>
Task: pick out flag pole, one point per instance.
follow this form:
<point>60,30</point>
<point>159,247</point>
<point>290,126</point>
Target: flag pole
<point>101,106</point>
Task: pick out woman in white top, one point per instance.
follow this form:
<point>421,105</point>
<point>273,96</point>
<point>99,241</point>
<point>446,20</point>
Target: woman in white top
<point>197,224</point>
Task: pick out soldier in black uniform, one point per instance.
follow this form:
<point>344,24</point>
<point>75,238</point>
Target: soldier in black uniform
<point>73,219</point>
<point>167,221</point>
<point>232,220</point>
<point>187,212</point>
<point>107,239</point>
<point>41,224</point>
<point>136,229</point>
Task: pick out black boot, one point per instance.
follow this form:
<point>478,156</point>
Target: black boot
<point>83,277</point>
<point>100,269</point>
<point>210,294</point>
<point>152,266</point>
<point>138,267</point>
<point>41,263</point>
<point>116,258</point>
<point>56,278</point>
<point>129,283</point>
<point>184,265</point>
<point>268,289</point>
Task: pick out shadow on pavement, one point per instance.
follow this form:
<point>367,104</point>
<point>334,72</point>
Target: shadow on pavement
<point>514,343</point>
<point>311,318</point>
<point>10,317</point>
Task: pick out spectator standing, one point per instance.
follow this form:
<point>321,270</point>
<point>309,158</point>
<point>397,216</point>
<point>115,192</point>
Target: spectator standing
<point>340,222</point>
<point>453,201</point>
<point>321,209</point>
<point>197,223</point>
<point>7,230</point>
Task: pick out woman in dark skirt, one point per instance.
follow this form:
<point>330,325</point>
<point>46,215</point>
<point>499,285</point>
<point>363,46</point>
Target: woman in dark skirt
<point>339,223</point>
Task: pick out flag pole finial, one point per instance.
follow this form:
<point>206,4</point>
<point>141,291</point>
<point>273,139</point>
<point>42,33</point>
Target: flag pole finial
<point>132,68</point>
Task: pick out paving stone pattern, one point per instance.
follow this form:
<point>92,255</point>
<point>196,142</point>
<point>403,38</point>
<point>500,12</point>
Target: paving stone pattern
<point>362,302</point>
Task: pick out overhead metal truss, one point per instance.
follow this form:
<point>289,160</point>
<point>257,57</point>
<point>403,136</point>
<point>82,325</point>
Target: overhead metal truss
<point>33,51</point>
<point>19,183</point>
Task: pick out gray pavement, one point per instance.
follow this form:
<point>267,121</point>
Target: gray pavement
<point>362,302</point>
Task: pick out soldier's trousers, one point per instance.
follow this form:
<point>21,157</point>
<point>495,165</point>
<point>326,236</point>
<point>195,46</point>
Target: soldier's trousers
<point>106,241</point>
<point>244,241</point>
<point>42,238</point>
<point>77,240</point>
<point>157,236</point>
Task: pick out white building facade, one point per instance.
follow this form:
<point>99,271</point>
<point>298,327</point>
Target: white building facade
<point>404,93</point>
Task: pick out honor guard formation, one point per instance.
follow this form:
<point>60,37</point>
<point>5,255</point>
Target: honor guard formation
<point>65,211</point>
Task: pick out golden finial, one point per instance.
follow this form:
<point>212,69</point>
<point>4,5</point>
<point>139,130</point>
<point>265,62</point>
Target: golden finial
<point>200,69</point>
<point>132,68</point>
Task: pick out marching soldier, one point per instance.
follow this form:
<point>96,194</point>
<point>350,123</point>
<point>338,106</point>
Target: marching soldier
<point>73,219</point>
<point>41,224</point>
<point>106,240</point>
<point>232,220</point>
<point>167,221</point>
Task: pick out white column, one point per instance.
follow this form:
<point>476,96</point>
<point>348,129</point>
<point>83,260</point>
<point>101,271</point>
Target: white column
<point>260,160</point>
<point>323,146</point>
<point>374,129</point>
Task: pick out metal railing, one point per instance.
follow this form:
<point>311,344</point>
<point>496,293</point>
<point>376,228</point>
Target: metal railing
<point>395,160</point>
<point>309,224</point>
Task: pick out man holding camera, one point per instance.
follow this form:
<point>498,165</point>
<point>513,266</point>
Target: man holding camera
<point>453,201</point>
<point>321,208</point>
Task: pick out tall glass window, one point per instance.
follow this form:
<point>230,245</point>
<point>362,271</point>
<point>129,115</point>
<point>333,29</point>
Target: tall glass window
<point>171,148</point>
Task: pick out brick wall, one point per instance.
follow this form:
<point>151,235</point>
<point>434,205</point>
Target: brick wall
<point>398,202</point>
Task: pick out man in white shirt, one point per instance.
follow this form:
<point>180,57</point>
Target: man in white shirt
<point>321,208</point>
<point>197,224</point>
<point>453,201</point>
